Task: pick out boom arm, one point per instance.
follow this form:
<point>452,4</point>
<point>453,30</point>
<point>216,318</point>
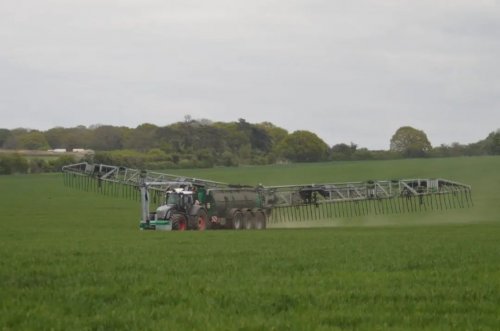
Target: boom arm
<point>133,177</point>
<point>283,196</point>
<point>324,201</point>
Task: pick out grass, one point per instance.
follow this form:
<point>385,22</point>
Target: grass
<point>75,260</point>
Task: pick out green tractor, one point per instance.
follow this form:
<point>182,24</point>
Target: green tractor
<point>195,208</point>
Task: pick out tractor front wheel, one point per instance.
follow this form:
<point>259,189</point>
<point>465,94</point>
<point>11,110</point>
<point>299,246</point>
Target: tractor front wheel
<point>179,222</point>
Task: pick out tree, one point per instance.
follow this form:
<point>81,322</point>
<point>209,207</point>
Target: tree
<point>4,134</point>
<point>276,136</point>
<point>34,140</point>
<point>209,137</point>
<point>495,149</point>
<point>234,135</point>
<point>410,142</point>
<point>142,138</point>
<point>56,137</point>
<point>304,146</point>
<point>259,138</point>
<point>108,138</point>
<point>13,139</point>
<point>78,137</point>
<point>25,139</point>
<point>343,151</point>
<point>492,143</point>
<point>275,133</point>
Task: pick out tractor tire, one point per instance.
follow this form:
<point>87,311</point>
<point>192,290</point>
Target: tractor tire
<point>179,222</point>
<point>237,222</point>
<point>202,220</point>
<point>248,220</point>
<point>260,220</point>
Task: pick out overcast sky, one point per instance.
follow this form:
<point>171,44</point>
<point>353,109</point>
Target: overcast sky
<point>350,71</point>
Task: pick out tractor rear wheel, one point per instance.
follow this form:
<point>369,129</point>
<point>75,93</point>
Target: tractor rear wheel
<point>179,222</point>
<point>202,220</point>
<point>237,222</point>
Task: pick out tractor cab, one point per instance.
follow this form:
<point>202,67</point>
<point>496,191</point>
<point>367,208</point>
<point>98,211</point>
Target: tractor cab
<point>183,209</point>
<point>178,200</point>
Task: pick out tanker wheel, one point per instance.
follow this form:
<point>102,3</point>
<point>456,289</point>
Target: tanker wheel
<point>202,220</point>
<point>248,220</point>
<point>260,220</point>
<point>179,222</point>
<point>237,220</point>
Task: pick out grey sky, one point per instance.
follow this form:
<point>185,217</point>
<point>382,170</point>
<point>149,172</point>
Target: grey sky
<point>346,70</point>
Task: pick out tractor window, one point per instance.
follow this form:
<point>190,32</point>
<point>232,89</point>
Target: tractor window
<point>172,198</point>
<point>188,200</point>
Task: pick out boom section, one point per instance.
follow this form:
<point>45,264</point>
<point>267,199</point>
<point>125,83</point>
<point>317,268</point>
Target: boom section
<point>134,177</point>
<point>292,195</point>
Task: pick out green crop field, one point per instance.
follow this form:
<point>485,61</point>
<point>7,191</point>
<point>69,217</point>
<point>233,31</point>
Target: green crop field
<point>72,260</point>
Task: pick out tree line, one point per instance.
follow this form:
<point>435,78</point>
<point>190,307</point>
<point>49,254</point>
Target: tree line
<point>202,143</point>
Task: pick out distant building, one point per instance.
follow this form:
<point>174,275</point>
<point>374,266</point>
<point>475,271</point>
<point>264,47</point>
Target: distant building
<point>58,150</point>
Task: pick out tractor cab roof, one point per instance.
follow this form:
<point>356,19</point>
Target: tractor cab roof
<point>180,190</point>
